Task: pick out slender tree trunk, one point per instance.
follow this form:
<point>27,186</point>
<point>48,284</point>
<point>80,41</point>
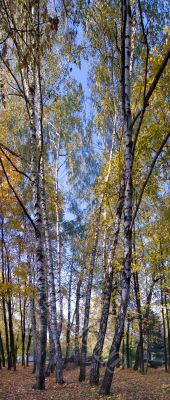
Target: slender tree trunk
<point>28,347</point>
<point>146,319</point>
<point>127,346</point>
<point>39,253</point>
<point>22,316</point>
<point>10,316</point>
<point>68,333</point>
<point>2,351</point>
<point>33,96</point>
<point>126,53</point>
<point>30,90</point>
<point>22,305</point>
<point>23,332</point>
<point>52,291</point>
<point>40,267</point>
<point>3,300</point>
<point>11,334</point>
<point>87,302</point>
<point>123,353</point>
<point>131,342</point>
<point>6,334</point>
<point>41,289</point>
<point>32,313</point>
<point>164,328</point>
<point>52,355</point>
<point>57,326</point>
<point>167,321</point>
<point>59,296</point>
<point>97,352</point>
<point>137,356</point>
<point>139,360</point>
<point>168,329</point>
<point>77,326</point>
<point>108,284</point>
<point>16,347</point>
<point>77,317</point>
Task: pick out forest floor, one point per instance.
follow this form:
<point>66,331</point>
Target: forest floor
<point>127,385</point>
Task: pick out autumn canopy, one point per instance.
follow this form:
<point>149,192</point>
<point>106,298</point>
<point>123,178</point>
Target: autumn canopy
<point>84,132</point>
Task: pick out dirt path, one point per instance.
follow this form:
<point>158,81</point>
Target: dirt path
<point>127,385</point>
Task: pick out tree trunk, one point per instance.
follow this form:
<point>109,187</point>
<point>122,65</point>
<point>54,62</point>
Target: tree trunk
<point>41,351</point>
<point>32,90</point>
<point>164,328</point>
<point>77,325</point>
<point>10,317</point>
<point>2,351</point>
<point>32,313</point>
<point>126,53</point>
<point>6,333</point>
<point>87,302</point>
<point>139,360</point>
<point>11,334</point>
<point>97,352</point>
<point>137,356</point>
<point>52,355</point>
<point>167,322</point>
<point>28,347</point>
<point>127,346</point>
<point>146,319</point>
<point>22,316</point>
<point>56,325</point>
<point>123,353</point>
<point>52,291</point>
<point>168,330</point>
<point>58,265</point>
<point>69,318</point>
<point>3,299</point>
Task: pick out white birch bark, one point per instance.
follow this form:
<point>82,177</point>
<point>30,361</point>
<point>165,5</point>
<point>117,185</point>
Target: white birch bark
<point>52,291</point>
<point>126,56</point>
<point>30,89</point>
<point>58,271</point>
<point>48,248</point>
<point>32,314</point>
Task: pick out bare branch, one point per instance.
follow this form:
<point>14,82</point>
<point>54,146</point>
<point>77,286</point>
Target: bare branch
<point>11,73</point>
<point>147,97</point>
<point>13,152</point>
<point>16,168</point>
<point>157,76</point>
<point>152,86</point>
<point>16,195</point>
<point>149,175</point>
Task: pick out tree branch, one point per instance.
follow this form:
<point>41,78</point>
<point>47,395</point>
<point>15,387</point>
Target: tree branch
<point>12,74</point>
<point>16,168</point>
<point>148,176</point>
<point>16,195</point>
<point>152,86</point>
<point>13,152</point>
<point>157,77</point>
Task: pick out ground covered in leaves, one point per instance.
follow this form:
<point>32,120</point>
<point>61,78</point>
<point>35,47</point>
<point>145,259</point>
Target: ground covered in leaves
<point>127,385</point>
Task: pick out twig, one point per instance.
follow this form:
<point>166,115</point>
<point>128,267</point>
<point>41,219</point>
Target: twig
<point>148,176</point>
<point>16,195</point>
<point>16,168</point>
